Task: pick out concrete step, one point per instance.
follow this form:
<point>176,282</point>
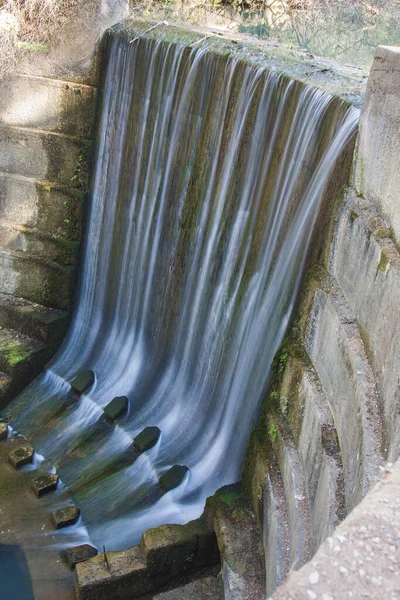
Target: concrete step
<point>48,104</point>
<point>37,280</point>
<point>335,347</point>
<point>42,155</point>
<point>239,541</point>
<point>49,207</point>
<point>295,489</point>
<point>34,243</point>
<point>371,285</point>
<point>18,352</point>
<point>21,360</point>
<point>310,420</point>
<point>47,325</point>
<point>276,537</point>
<point>206,588</point>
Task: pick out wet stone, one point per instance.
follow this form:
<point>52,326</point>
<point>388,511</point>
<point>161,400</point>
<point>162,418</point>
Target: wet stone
<point>173,477</point>
<point>82,382</point>
<point>79,554</point>
<point>146,439</point>
<point>116,408</point>
<point>21,456</point>
<point>63,517</point>
<point>45,484</point>
<point>3,431</point>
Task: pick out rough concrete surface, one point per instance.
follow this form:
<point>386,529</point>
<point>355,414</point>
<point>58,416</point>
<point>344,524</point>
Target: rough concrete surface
<point>377,176</point>
<point>371,284</point>
<point>362,559</point>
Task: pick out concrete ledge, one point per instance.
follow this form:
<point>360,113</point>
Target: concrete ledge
<point>49,104</point>
<point>47,206</point>
<point>42,155</point>
<point>34,243</point>
<point>36,280</point>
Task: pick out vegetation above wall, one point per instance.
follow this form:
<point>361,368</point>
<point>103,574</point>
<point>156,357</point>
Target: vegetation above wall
<point>347,30</point>
<point>29,25</point>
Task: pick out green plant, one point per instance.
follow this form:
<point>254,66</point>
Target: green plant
<point>273,432</point>
<point>274,396</point>
<point>282,360</point>
<point>47,188</point>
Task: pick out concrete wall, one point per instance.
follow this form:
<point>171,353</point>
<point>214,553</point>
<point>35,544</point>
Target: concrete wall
<point>377,173</point>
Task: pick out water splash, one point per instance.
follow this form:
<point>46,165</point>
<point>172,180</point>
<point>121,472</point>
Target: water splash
<point>208,179</point>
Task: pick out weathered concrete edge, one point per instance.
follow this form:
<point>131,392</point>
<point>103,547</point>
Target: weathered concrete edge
<point>342,82</point>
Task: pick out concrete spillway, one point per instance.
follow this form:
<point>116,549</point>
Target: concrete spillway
<point>208,180</point>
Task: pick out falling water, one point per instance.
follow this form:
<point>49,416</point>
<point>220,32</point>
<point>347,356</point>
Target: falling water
<point>208,179</point>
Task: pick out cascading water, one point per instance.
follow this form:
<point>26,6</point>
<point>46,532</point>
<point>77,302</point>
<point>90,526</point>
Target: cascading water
<point>208,179</point>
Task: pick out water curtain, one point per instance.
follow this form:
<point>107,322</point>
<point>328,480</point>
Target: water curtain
<point>208,178</point>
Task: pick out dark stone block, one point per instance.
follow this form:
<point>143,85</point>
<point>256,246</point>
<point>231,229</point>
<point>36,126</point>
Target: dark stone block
<point>3,431</point>
<point>45,484</point>
<point>82,382</point>
<point>173,477</point>
<point>146,439</point>
<point>21,456</point>
<point>79,554</point>
<point>116,408</point>
<point>63,517</point>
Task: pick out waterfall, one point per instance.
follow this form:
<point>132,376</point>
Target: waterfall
<point>208,178</point>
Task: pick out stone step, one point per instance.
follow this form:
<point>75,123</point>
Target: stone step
<point>295,488</point>
<point>370,282</point>
<point>17,351</point>
<point>276,539</point>
<point>239,541</point>
<point>34,243</point>
<point>335,347</point>
<point>49,207</point>
<point>206,588</point>
<point>42,155</point>
<point>49,104</point>
<point>48,325</point>
<point>305,408</point>
<point>21,359</point>
<point>40,281</point>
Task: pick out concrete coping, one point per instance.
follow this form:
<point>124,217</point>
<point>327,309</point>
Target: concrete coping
<point>344,82</point>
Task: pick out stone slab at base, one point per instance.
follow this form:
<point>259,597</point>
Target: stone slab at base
<point>45,484</point>
<point>64,517</point>
<point>21,456</point>
<point>79,554</point>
